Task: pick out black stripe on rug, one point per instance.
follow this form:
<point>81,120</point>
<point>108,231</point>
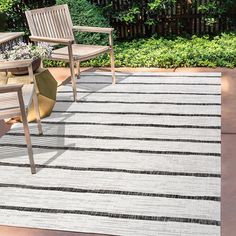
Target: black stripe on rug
<point>111,192</point>
<point>132,125</point>
<point>155,75</point>
<point>113,150</point>
<point>115,138</point>
<point>141,172</point>
<point>150,93</point>
<point>147,103</point>
<point>113,215</point>
<point>137,113</point>
<point>157,83</point>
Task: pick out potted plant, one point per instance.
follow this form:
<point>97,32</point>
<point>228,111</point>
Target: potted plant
<point>23,51</point>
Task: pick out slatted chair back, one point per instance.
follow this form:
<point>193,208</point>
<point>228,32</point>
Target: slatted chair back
<point>51,22</point>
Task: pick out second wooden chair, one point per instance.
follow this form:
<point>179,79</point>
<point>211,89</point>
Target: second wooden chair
<point>54,25</point>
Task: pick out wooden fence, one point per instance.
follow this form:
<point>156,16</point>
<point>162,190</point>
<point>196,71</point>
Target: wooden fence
<point>177,20</point>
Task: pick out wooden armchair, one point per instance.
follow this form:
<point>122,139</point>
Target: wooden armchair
<point>54,25</point>
<point>15,100</point>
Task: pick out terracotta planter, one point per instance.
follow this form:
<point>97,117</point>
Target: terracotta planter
<point>24,70</point>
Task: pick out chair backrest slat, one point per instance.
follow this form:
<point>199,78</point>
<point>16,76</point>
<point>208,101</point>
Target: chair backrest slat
<point>52,22</point>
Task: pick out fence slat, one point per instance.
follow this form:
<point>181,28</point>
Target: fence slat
<point>179,19</point>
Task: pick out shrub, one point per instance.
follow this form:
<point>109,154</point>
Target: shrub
<point>170,53</point>
<point>84,13</point>
<point>14,10</point>
<point>3,20</point>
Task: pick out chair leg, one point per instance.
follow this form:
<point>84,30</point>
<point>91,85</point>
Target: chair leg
<point>113,66</point>
<point>37,113</point>
<point>72,72</point>
<point>26,131</point>
<point>78,69</point>
<point>29,145</point>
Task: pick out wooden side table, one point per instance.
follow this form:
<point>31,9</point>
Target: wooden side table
<point>46,83</point>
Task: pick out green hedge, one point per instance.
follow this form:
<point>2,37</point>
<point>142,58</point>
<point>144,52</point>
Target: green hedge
<point>13,13</point>
<point>170,53</point>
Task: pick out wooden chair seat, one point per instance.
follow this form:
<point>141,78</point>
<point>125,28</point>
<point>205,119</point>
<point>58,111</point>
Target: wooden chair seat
<point>81,52</point>
<point>10,104</point>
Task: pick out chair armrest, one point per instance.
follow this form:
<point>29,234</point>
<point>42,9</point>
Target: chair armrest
<point>10,88</point>
<point>93,29</point>
<point>5,65</point>
<point>51,40</point>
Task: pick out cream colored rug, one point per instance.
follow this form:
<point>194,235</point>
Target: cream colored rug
<point>141,157</point>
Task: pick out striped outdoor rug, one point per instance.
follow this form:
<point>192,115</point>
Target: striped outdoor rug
<point>138,158</point>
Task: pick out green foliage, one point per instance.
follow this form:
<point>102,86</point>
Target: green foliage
<point>5,5</point>
<point>14,12</point>
<point>132,14</point>
<point>14,18</point>
<point>85,13</point>
<point>3,20</point>
<point>129,16</point>
<point>213,9</point>
<point>171,53</point>
<point>160,4</point>
<point>149,11</point>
